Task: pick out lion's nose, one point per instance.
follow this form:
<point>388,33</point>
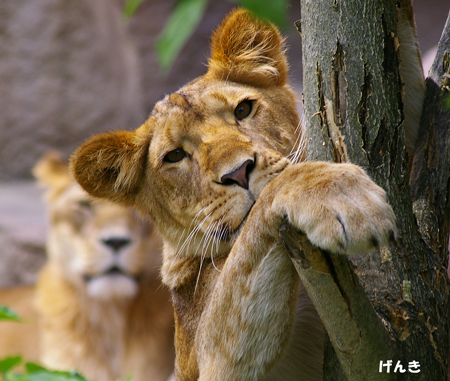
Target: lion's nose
<point>116,243</point>
<point>239,176</point>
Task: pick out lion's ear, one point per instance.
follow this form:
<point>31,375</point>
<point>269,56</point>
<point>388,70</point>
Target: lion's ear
<point>111,166</point>
<point>248,50</point>
<point>52,172</point>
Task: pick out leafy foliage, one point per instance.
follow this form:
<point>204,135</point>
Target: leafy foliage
<point>32,371</point>
<point>274,10</point>
<point>8,315</point>
<point>186,16</point>
<point>446,102</point>
<point>180,26</point>
<point>131,7</point>
<point>9,363</point>
<point>35,372</point>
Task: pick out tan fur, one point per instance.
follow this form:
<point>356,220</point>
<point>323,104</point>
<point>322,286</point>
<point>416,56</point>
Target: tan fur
<point>107,326</point>
<point>20,338</point>
<point>250,54</point>
<point>240,312</point>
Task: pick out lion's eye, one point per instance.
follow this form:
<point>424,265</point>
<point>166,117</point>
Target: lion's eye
<point>243,109</point>
<point>83,207</point>
<point>175,156</point>
<point>85,204</point>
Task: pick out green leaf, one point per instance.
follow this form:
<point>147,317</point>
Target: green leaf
<point>47,375</point>
<point>50,376</point>
<point>179,27</point>
<point>446,102</point>
<point>15,377</point>
<point>274,10</point>
<point>36,372</point>
<point>32,367</point>
<point>9,363</point>
<point>7,314</point>
<point>131,7</point>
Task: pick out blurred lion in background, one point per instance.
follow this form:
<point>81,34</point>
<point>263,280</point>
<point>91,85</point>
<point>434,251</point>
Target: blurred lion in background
<point>100,304</point>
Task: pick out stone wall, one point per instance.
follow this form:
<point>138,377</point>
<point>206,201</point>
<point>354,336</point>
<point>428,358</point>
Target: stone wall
<point>67,69</point>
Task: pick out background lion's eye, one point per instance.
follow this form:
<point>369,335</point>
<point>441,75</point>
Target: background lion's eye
<point>243,109</point>
<point>175,156</point>
<point>82,207</point>
<point>85,204</point>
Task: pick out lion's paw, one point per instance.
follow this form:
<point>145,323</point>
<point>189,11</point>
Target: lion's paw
<point>337,206</point>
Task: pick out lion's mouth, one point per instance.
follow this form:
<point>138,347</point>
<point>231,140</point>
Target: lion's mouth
<point>226,234</point>
<point>112,271</point>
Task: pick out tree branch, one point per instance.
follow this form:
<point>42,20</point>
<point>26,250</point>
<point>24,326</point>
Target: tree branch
<point>430,175</point>
<point>357,334</point>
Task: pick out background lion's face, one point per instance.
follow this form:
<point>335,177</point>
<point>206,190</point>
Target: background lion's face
<point>102,247</point>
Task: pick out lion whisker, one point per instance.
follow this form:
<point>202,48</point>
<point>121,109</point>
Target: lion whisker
<point>203,242</point>
<point>205,239</point>
<point>192,234</point>
<point>217,238</point>
<point>190,225</point>
<point>295,153</point>
<point>211,239</point>
<point>199,272</point>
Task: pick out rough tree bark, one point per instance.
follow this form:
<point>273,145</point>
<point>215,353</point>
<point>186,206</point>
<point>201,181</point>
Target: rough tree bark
<point>393,304</point>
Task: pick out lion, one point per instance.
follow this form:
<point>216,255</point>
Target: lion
<point>211,166</point>
<point>20,338</point>
<point>101,306</point>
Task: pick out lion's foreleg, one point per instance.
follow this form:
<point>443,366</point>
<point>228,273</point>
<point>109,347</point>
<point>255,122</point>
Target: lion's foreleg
<point>249,319</point>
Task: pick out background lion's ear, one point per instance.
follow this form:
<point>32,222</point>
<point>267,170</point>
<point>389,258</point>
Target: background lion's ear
<point>248,50</point>
<point>52,172</point>
<point>110,166</point>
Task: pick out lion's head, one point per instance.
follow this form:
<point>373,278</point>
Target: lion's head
<point>197,165</point>
<point>101,247</point>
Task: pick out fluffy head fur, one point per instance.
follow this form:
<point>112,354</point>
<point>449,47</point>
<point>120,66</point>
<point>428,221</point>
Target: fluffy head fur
<point>102,306</point>
<point>211,167</point>
<point>251,53</point>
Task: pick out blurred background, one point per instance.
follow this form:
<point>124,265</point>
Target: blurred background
<point>73,68</point>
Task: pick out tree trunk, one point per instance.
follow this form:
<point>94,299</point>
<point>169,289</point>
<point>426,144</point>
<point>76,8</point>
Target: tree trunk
<point>354,112</point>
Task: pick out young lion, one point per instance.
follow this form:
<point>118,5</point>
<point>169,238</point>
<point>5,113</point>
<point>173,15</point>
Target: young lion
<point>101,305</point>
<point>209,167</point>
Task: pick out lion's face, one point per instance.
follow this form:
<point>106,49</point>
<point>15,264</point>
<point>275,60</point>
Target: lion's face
<point>197,165</point>
<point>212,151</point>
<point>103,248</point>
